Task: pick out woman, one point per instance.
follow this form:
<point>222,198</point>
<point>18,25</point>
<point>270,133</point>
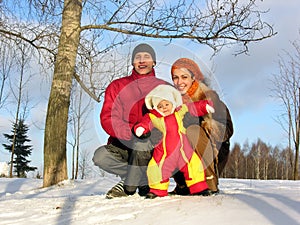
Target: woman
<point>211,139</point>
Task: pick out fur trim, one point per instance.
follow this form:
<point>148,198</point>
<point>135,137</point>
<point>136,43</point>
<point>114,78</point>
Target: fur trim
<point>200,93</point>
<point>213,128</point>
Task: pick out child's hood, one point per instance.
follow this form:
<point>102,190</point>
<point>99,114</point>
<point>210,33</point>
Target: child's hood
<point>163,92</point>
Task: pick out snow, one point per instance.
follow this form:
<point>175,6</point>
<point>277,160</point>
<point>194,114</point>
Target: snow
<point>23,201</point>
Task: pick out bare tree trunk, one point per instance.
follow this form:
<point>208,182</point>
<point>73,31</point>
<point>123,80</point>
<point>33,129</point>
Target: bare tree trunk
<point>246,172</point>
<point>276,170</point>
<point>14,141</point>
<point>84,165</point>
<point>257,162</point>
<point>266,169</point>
<point>55,159</point>
<point>236,167</point>
<point>73,161</point>
<point>287,159</point>
<point>296,165</point>
<point>83,169</point>
<point>78,135</point>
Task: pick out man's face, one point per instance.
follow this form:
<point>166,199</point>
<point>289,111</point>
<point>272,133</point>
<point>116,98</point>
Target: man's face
<point>143,63</point>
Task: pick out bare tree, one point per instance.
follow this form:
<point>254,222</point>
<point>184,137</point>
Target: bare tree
<point>287,90</point>
<point>286,161</point>
<point>236,157</point>
<point>80,107</point>
<point>275,162</point>
<point>246,150</point>
<point>84,164</point>
<point>20,96</point>
<point>6,63</point>
<point>255,155</point>
<point>114,66</point>
<point>261,162</point>
<point>217,23</point>
<point>265,160</point>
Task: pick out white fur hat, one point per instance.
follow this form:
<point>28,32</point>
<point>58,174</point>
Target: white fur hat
<point>163,92</point>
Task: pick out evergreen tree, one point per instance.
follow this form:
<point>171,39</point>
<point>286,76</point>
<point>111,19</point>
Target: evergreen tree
<point>21,151</point>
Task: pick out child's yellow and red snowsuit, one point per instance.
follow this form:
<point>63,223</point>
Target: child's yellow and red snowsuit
<point>174,151</point>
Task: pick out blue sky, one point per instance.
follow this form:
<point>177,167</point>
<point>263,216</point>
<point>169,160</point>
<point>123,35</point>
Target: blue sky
<point>246,79</point>
<point>243,83</point>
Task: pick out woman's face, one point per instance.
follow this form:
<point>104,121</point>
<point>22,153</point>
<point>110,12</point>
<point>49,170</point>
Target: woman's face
<point>182,79</point>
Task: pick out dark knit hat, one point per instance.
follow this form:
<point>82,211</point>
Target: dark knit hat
<point>190,65</point>
<point>143,48</point>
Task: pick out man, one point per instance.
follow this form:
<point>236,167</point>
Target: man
<point>123,107</point>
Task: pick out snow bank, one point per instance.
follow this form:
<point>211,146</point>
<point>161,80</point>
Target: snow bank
<point>23,201</point>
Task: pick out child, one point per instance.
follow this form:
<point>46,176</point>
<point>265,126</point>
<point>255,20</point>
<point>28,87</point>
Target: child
<point>174,151</point>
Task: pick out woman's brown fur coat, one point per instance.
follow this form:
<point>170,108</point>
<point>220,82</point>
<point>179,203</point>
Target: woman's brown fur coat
<point>219,124</point>
<point>215,129</point>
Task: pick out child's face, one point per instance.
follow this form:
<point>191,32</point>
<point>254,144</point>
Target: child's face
<point>165,107</point>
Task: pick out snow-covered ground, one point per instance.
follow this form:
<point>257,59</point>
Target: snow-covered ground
<point>82,202</point>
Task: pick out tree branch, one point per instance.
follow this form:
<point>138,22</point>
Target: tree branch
<point>92,95</point>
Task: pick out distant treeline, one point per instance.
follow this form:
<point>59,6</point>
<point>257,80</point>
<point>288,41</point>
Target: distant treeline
<point>259,161</point>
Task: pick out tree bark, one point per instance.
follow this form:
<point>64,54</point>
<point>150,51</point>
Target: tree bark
<point>55,139</point>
